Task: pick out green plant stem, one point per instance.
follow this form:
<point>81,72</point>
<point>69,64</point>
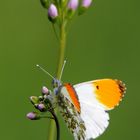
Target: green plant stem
<point>61,50</point>
<point>52,129</point>
<point>57,124</point>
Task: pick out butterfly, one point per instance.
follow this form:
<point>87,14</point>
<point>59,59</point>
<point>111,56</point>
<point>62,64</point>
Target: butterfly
<point>85,106</point>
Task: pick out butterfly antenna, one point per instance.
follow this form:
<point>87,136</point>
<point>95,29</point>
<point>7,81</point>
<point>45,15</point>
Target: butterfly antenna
<point>62,69</point>
<point>45,71</point>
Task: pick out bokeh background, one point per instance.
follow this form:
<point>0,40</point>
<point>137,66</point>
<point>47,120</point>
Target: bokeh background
<point>104,42</point>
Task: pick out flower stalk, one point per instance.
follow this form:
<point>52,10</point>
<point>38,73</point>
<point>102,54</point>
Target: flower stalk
<point>62,47</point>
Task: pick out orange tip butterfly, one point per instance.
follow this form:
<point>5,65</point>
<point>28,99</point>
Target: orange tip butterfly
<point>85,106</point>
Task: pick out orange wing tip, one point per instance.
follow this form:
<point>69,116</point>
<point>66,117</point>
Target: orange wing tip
<point>110,92</point>
<point>122,87</point>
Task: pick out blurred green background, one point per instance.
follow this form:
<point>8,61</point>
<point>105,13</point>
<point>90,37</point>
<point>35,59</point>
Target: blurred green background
<point>104,42</point>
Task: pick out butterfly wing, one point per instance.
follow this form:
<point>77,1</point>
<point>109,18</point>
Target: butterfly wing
<point>95,120</point>
<point>96,97</point>
<point>106,93</point>
<point>83,106</point>
<point>69,107</point>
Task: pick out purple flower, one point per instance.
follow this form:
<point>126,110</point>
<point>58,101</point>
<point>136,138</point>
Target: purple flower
<point>52,11</point>
<point>86,3</point>
<point>73,4</point>
<point>32,116</point>
<point>41,107</point>
<point>45,90</point>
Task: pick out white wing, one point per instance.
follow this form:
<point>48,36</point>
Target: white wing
<point>92,113</point>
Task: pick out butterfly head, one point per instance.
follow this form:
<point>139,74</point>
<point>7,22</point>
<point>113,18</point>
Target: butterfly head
<point>56,85</point>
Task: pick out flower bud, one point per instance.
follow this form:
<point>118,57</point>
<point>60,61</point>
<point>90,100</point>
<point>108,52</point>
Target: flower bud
<point>86,3</point>
<point>52,13</point>
<point>34,100</point>
<point>45,3</point>
<point>33,116</point>
<point>45,90</point>
<point>73,4</point>
<point>84,6</point>
<point>41,107</point>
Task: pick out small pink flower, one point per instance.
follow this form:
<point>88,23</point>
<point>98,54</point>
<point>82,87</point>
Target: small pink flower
<point>45,90</point>
<point>32,116</point>
<point>73,4</point>
<point>86,3</point>
<point>52,11</point>
<point>41,107</point>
